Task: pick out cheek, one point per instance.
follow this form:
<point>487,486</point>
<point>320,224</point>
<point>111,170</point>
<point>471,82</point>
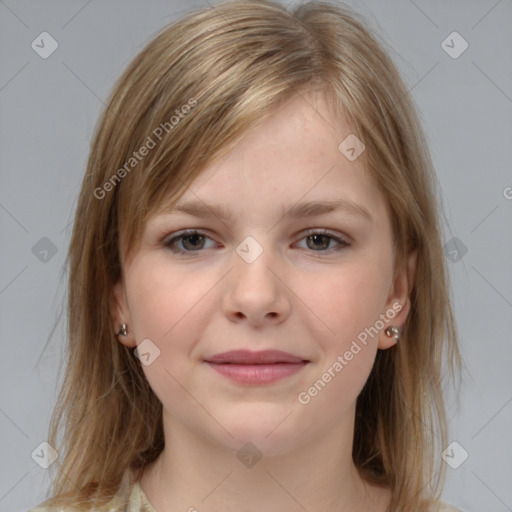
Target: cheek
<point>169,308</point>
<point>161,301</point>
<point>345,306</point>
<point>346,300</point>
<point>348,355</point>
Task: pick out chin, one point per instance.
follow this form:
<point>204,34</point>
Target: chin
<point>271,429</point>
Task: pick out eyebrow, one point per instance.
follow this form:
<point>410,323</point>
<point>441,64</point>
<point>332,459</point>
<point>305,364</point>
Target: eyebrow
<point>298,210</point>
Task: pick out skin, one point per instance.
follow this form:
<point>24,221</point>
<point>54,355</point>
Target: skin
<point>299,296</point>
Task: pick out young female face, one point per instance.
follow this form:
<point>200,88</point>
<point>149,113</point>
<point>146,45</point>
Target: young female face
<point>253,274</point>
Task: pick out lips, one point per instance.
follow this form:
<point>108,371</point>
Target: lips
<point>248,357</point>
<point>256,368</point>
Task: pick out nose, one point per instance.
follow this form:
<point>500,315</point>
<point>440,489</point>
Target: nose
<point>256,292</point>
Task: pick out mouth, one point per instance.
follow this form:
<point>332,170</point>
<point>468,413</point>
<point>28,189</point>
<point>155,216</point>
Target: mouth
<point>256,368</point>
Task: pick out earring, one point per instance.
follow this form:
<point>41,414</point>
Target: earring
<point>393,331</point>
<point>123,331</point>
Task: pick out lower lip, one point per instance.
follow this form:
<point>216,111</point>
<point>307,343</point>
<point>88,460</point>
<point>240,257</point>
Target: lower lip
<point>257,374</point>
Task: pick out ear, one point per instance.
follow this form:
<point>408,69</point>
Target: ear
<point>399,300</point>
<point>121,314</point>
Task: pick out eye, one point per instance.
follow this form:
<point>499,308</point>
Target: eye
<point>190,241</point>
<point>321,241</point>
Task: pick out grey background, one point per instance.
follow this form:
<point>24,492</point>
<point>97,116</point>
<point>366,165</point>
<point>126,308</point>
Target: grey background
<point>49,108</point>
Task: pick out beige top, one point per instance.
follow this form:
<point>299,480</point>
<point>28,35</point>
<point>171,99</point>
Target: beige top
<point>131,498</point>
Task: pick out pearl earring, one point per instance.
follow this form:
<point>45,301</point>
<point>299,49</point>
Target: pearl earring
<point>393,331</point>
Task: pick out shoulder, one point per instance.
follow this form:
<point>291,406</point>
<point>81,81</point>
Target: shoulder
<point>117,504</point>
<point>132,499</point>
<point>445,507</point>
<point>129,498</point>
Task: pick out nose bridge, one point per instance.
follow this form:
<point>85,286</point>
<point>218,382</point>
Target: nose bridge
<point>254,290</point>
<point>252,260</point>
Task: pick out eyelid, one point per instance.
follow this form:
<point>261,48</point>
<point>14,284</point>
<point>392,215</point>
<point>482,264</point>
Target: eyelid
<point>342,240</point>
<point>324,231</point>
<point>176,235</point>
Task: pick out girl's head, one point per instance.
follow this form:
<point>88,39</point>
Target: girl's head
<point>295,137</point>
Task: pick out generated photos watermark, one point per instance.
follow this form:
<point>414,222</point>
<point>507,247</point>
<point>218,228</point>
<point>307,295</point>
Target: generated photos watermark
<point>343,360</point>
<point>149,144</point>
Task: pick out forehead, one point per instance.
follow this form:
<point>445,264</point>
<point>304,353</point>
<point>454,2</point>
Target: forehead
<point>292,157</point>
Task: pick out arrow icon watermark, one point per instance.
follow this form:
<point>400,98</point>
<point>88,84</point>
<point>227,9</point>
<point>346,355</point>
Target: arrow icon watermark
<point>351,147</point>
<point>147,352</point>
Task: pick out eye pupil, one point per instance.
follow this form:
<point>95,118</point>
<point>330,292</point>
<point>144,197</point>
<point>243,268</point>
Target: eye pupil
<point>319,238</point>
<point>197,241</point>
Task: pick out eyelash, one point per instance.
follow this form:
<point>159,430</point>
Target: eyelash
<point>190,232</point>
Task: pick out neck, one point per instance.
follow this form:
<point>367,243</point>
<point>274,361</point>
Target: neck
<point>195,474</point>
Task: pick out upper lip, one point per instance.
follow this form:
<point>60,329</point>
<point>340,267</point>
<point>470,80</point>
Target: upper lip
<point>248,357</point>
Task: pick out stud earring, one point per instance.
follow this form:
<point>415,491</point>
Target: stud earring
<point>393,331</point>
<point>123,331</point>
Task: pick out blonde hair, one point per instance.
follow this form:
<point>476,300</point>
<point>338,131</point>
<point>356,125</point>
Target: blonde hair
<point>232,64</point>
